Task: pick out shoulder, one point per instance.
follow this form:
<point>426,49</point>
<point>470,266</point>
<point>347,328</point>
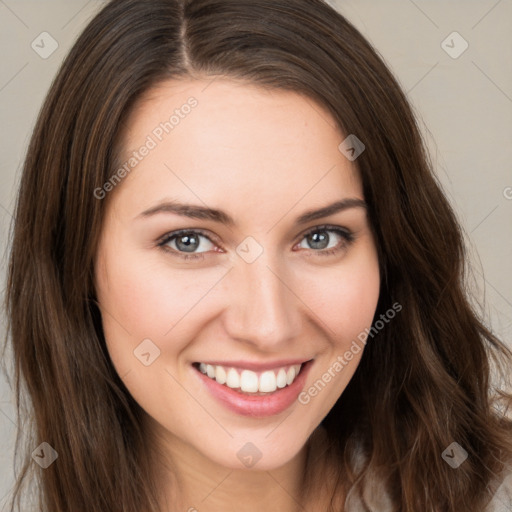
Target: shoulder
<point>375,497</point>
<point>502,497</point>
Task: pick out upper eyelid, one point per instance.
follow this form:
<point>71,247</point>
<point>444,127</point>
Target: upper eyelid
<point>173,234</point>
<point>326,227</point>
<point>214,239</point>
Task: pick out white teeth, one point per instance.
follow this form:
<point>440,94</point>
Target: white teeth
<point>290,375</point>
<point>267,382</point>
<point>220,375</point>
<point>210,371</point>
<point>281,378</point>
<point>233,379</point>
<point>249,381</point>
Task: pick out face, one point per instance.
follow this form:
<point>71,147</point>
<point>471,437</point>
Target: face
<point>230,294</point>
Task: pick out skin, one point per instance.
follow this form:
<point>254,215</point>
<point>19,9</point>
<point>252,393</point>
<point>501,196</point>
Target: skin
<point>264,157</point>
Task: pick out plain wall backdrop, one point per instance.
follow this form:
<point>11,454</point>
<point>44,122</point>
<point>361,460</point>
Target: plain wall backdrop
<point>453,58</point>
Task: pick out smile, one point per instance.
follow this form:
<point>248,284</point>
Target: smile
<point>265,390</point>
<point>248,381</point>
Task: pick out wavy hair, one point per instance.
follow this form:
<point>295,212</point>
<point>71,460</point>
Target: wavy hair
<point>423,382</point>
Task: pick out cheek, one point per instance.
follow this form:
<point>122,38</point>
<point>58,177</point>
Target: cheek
<point>143,297</point>
<point>344,302</point>
<point>345,298</point>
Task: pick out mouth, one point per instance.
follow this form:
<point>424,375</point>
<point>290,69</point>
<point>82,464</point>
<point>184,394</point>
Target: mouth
<point>254,393</point>
<point>250,382</point>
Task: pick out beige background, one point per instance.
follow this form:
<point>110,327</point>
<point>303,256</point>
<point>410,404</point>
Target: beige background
<point>465,104</point>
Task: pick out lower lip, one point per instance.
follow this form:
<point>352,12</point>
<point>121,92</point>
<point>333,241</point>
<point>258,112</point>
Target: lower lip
<point>257,406</point>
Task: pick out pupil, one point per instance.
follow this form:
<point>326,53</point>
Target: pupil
<point>319,240</point>
<point>187,243</point>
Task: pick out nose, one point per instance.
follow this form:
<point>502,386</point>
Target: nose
<point>263,309</point>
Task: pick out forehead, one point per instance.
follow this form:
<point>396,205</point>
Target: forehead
<point>232,142</point>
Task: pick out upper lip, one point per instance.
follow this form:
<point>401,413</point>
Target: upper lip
<point>256,366</point>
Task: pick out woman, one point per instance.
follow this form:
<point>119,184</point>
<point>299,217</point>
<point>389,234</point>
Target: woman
<point>235,281</point>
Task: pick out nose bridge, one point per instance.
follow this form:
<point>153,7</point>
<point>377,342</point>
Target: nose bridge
<point>262,308</point>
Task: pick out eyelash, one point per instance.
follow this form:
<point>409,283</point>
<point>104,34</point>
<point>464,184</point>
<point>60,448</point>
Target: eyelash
<point>345,234</point>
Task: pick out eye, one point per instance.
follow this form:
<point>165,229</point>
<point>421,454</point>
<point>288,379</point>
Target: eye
<point>187,244</point>
<point>326,240</point>
<point>192,244</point>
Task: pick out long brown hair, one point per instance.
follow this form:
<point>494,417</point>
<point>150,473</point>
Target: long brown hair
<point>423,382</point>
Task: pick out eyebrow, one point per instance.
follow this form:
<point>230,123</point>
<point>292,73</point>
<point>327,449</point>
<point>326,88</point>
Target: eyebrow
<point>213,214</point>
